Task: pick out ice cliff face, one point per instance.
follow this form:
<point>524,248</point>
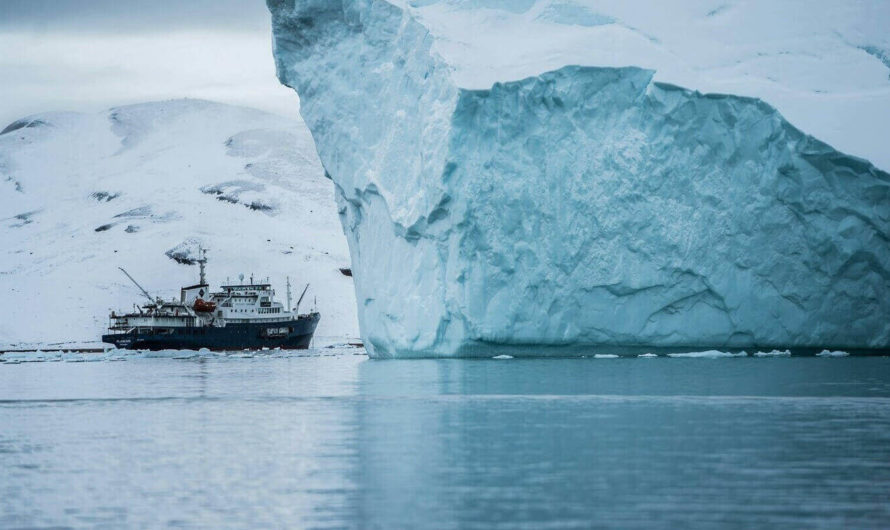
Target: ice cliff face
<point>580,206</point>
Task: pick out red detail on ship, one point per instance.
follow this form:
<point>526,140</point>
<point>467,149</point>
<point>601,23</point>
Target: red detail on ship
<point>204,307</point>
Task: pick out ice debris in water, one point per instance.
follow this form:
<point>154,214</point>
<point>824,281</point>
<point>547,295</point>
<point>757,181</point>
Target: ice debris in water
<point>773,353</point>
<point>112,354</point>
<point>583,205</point>
<point>711,354</point>
<point>828,353</point>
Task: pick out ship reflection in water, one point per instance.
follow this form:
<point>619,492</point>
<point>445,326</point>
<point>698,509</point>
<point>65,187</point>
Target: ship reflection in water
<point>342,441</point>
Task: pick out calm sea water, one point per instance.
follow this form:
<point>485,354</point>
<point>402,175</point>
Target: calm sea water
<point>339,441</point>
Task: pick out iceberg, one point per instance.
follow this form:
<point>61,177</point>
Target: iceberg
<point>582,206</point>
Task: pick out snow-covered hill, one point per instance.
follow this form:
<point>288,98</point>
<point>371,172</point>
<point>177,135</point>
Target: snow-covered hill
<point>141,185</point>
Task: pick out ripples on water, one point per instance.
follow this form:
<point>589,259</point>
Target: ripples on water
<point>331,439</point>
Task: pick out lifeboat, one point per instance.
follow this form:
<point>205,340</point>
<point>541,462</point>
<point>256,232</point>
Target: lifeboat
<point>202,306</point>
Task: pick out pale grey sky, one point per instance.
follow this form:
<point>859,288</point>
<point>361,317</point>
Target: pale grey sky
<point>86,55</point>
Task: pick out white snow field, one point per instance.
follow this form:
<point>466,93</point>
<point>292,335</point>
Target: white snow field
<point>824,65</point>
<point>556,173</point>
<point>81,194</point>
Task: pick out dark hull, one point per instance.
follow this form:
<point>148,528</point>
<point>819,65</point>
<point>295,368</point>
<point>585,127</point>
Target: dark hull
<point>291,335</point>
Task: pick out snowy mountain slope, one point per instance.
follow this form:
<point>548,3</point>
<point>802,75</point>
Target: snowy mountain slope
<point>825,65</point>
<point>81,194</point>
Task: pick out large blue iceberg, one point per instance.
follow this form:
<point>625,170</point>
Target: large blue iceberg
<point>581,207</point>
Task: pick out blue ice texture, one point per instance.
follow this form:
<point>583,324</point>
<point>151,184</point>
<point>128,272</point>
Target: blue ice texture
<point>582,206</point>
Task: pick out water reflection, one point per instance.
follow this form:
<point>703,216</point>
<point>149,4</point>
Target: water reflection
<point>333,442</point>
<point>462,444</point>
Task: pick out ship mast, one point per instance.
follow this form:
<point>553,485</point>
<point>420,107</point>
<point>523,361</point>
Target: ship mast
<point>288,294</point>
<point>202,261</point>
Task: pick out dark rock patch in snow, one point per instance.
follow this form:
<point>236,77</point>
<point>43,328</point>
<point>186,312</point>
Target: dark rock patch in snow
<point>718,10</point>
<point>259,206</point>
<point>104,227</point>
<point>16,184</point>
<point>104,196</point>
<point>132,229</point>
<point>185,253</point>
<point>23,219</point>
<point>22,124</point>
<point>241,192</point>
<point>178,258</point>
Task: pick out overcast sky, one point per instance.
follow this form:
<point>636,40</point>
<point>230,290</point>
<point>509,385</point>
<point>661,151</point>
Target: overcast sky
<point>86,55</point>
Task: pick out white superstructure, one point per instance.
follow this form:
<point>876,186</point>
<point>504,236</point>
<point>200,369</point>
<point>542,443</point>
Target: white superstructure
<point>241,303</point>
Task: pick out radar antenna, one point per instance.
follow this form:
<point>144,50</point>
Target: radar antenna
<point>150,299</point>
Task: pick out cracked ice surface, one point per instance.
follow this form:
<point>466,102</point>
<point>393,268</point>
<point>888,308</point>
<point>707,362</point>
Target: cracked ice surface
<point>578,206</point>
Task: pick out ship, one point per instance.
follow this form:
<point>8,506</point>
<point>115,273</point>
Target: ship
<point>239,316</point>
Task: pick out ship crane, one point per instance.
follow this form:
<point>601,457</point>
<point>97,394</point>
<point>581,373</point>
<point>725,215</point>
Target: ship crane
<point>301,298</point>
<point>144,292</point>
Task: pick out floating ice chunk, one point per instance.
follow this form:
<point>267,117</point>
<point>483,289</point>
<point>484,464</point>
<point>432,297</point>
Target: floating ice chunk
<point>773,353</point>
<point>605,356</point>
<point>710,354</point>
<point>647,355</point>
<point>828,353</point>
<point>502,357</point>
